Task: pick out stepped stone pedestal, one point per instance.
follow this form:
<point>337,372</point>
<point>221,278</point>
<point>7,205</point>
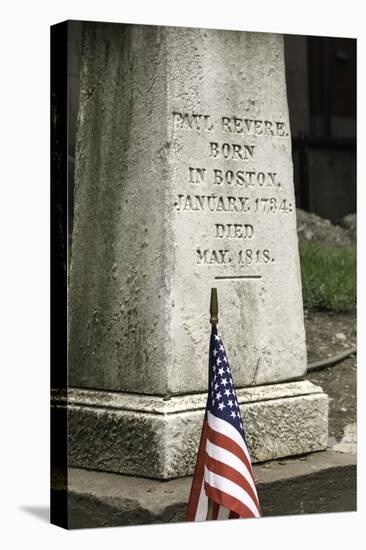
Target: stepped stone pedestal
<point>184,182</point>
<point>158,437</point>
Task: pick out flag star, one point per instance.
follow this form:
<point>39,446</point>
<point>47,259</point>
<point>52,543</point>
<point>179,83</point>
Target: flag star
<point>215,352</point>
<point>221,371</point>
<point>224,381</point>
<point>227,393</point>
<point>218,396</point>
<point>221,347</point>
<point>232,414</point>
<point>217,337</point>
<point>238,414</point>
<point>230,403</point>
<point>221,406</point>
<point>216,386</point>
<point>218,361</point>
<point>225,360</point>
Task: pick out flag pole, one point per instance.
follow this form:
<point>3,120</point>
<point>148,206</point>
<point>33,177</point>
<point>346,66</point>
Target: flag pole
<point>209,509</point>
<point>214,308</point>
<point>214,319</point>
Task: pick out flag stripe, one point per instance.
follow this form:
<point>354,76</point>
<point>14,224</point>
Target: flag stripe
<point>228,430</point>
<point>229,501</point>
<point>225,442</point>
<point>223,455</point>
<point>232,489</point>
<point>233,475</point>
<point>197,498</point>
<point>202,505</point>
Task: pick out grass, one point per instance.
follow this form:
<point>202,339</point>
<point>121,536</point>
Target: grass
<point>328,277</point>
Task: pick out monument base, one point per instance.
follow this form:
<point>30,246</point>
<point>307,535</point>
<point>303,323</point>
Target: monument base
<point>158,437</point>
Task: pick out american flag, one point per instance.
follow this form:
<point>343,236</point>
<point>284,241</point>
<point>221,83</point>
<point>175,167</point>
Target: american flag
<point>223,483</point>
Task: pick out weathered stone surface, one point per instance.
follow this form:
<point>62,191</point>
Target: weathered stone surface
<point>158,438</point>
<point>315,483</point>
<point>118,305</point>
<point>183,183</point>
<point>348,443</point>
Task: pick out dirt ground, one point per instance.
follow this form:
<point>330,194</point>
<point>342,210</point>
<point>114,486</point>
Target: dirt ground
<point>311,227</point>
<point>328,334</point>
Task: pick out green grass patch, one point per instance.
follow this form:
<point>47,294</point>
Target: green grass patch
<point>328,276</point>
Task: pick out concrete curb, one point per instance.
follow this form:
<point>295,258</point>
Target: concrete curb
<point>316,483</point>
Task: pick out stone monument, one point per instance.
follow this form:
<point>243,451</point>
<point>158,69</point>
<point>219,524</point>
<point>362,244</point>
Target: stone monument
<point>184,182</point>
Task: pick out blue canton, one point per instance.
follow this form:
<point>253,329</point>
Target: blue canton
<point>222,400</point>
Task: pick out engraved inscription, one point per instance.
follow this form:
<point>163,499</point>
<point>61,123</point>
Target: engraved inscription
<point>234,231</point>
<point>202,122</point>
<point>253,127</point>
<point>190,121</point>
<point>243,257</point>
<point>196,175</point>
<point>227,203</point>
<point>249,178</point>
<point>231,151</point>
<point>231,166</point>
